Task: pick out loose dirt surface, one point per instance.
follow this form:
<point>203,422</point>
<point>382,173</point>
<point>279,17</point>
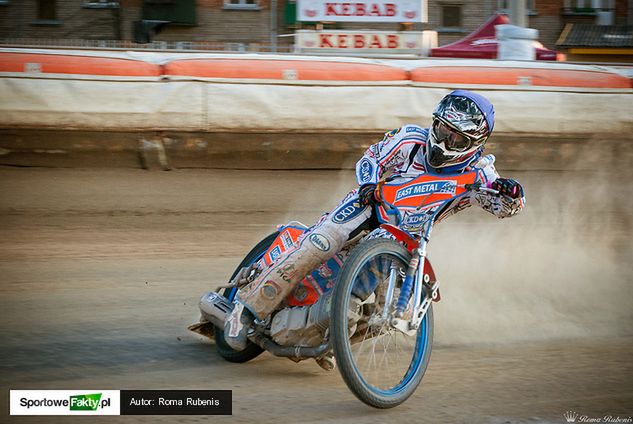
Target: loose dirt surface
<point>101,270</point>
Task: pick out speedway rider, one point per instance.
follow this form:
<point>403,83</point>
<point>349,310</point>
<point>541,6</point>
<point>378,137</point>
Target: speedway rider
<point>462,122</point>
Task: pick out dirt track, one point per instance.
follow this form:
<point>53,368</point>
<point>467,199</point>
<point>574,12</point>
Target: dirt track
<point>101,271</point>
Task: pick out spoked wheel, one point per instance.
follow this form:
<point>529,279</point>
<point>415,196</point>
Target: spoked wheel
<point>381,365</point>
<point>252,350</point>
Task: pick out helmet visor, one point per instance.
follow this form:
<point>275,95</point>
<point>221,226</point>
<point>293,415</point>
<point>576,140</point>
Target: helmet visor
<point>453,140</point>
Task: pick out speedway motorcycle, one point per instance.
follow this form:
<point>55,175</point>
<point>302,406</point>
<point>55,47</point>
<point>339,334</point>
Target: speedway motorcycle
<point>369,307</point>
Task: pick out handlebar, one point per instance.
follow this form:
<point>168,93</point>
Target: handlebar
<point>481,188</point>
<point>476,187</point>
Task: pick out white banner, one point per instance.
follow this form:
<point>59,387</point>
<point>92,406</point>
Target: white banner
<point>360,41</point>
<point>362,11</point>
<point>65,402</point>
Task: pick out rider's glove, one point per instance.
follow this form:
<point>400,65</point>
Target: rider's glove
<point>367,194</point>
<point>508,187</point>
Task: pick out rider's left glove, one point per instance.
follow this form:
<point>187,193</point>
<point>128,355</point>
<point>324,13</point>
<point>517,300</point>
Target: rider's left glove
<point>508,187</point>
<point>511,199</point>
<point>367,194</point>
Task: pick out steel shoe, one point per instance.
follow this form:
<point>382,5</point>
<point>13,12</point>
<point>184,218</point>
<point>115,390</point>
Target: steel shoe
<point>236,327</point>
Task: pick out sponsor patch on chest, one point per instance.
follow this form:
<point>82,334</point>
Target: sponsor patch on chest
<point>430,187</point>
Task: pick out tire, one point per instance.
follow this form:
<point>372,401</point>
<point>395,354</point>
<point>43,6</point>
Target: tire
<point>252,350</point>
<point>375,258</point>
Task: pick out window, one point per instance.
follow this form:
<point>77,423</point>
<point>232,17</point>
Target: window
<point>241,4</point>
<point>452,16</point>
<point>504,6</point>
<point>100,4</point>
<point>46,10</point>
<point>179,12</point>
<point>588,6</point>
<point>46,13</point>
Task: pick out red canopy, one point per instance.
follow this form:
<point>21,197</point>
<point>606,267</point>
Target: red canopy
<point>482,44</point>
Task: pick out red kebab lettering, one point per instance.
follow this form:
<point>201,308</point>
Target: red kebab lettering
<point>357,41</point>
<point>360,9</point>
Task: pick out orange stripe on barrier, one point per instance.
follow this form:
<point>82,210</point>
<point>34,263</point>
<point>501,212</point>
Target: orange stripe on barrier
<point>520,76</point>
<point>308,70</point>
<point>81,65</point>
<point>284,70</point>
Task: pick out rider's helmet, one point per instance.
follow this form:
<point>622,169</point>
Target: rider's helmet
<point>462,122</point>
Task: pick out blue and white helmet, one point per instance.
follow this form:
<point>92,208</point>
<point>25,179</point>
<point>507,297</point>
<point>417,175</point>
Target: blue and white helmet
<point>462,122</point>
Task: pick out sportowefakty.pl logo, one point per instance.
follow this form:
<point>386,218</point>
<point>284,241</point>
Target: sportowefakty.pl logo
<point>83,402</point>
<point>64,402</point>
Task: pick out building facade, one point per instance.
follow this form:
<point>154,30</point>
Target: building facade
<point>258,24</point>
<point>455,19</point>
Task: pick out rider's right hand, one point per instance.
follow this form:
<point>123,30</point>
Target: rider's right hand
<point>367,194</point>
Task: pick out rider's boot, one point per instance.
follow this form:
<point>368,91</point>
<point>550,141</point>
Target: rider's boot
<point>236,327</point>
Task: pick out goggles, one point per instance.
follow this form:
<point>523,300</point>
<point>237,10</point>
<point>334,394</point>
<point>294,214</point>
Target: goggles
<point>451,137</point>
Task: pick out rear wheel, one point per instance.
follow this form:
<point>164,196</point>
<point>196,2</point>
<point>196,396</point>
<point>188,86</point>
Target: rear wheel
<point>252,350</point>
<point>381,365</point>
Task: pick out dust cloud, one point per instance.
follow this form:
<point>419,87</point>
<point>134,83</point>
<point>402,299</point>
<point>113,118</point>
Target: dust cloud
<point>559,270</point>
<point>555,271</point>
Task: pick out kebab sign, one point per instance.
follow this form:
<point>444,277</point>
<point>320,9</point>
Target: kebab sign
<point>362,11</point>
<point>359,41</point>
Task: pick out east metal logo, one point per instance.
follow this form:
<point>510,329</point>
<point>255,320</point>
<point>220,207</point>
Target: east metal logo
<point>320,242</point>
<point>439,187</point>
<point>366,170</point>
<point>347,212</point>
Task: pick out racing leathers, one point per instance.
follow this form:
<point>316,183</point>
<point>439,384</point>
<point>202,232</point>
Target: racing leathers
<point>400,153</point>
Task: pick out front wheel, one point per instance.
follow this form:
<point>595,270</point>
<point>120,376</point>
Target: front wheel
<point>381,365</point>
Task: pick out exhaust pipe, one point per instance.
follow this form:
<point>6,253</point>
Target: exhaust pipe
<point>292,352</point>
<point>215,308</point>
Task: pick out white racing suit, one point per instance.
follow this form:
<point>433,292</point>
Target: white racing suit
<point>397,154</point>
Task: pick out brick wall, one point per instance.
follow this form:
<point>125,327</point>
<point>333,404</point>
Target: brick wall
<point>548,7</point>
<point>18,19</point>
<point>474,13</point>
<point>549,28</point>
<point>216,23</point>
<point>8,20</point>
<point>220,25</point>
<point>622,8</point>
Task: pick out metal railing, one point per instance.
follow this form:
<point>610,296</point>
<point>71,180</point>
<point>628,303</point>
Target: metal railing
<point>240,47</point>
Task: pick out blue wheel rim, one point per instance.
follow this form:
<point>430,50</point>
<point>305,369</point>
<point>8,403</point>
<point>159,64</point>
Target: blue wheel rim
<point>417,359</point>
